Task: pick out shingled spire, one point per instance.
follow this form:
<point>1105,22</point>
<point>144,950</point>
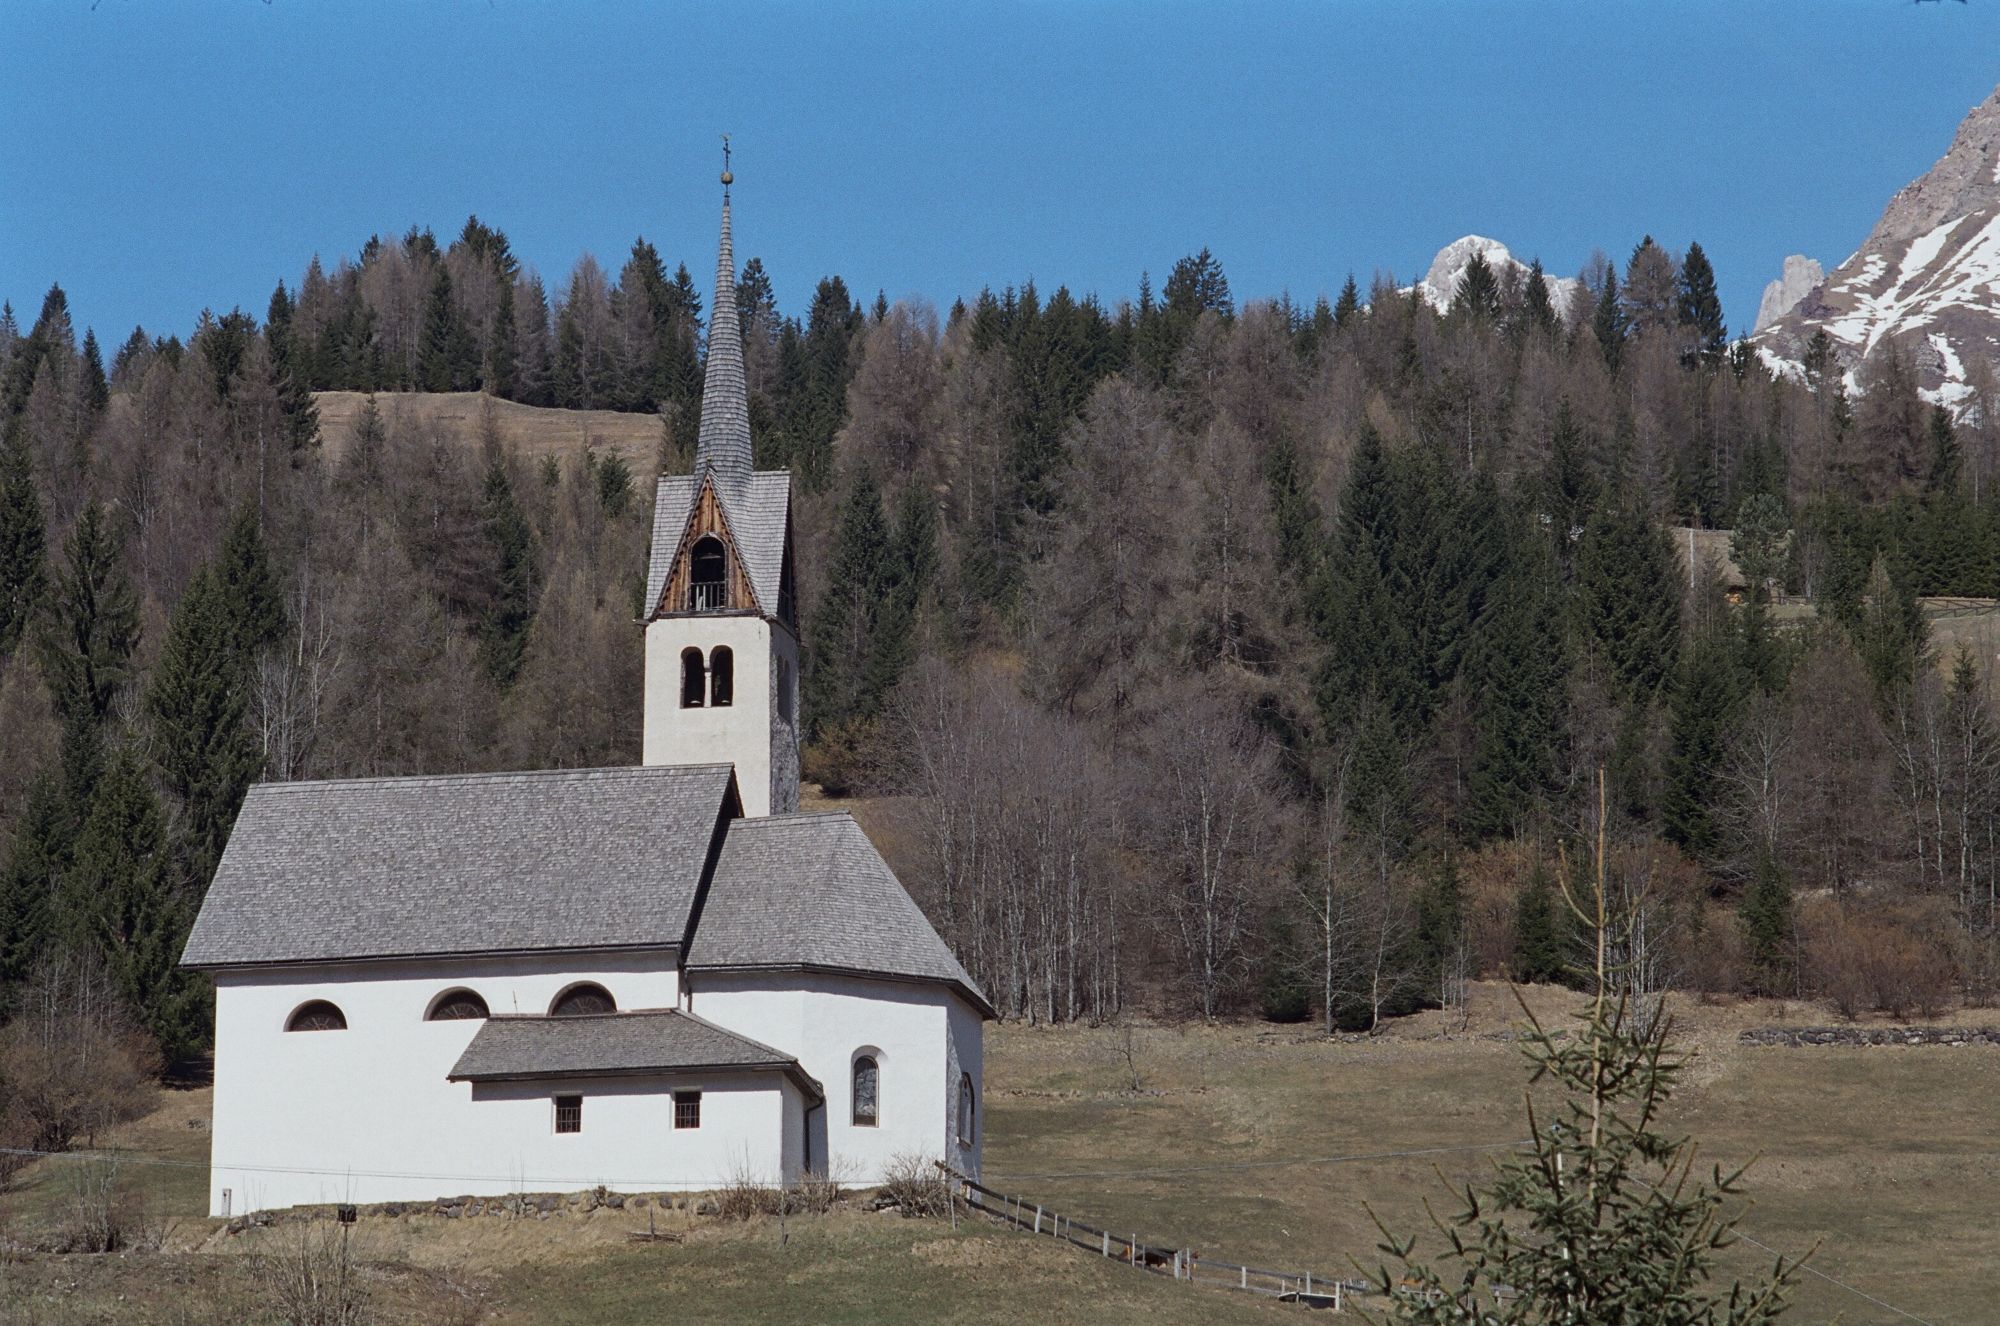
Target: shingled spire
<point>723,445</point>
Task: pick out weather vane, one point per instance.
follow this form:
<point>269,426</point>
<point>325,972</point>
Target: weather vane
<point>727,178</point>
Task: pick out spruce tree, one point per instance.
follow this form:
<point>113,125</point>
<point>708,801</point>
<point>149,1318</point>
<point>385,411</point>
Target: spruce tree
<point>1608,324</point>
<point>1628,596</point>
<point>23,552</point>
<point>1569,488</point>
<point>291,376</point>
<point>252,601</point>
<point>1757,545</point>
<point>1478,294</point>
<point>37,852</point>
<point>96,387</point>
<point>196,703</point>
<point>1540,954</point>
<point>124,901</point>
<point>510,612</point>
<point>1706,699</point>
<point>1371,659</point>
<point>1440,932</point>
<point>1197,286</point>
<point>1700,307</point>
<point>567,387</point>
<point>1538,312</point>
<point>503,356</point>
<point>840,635</point>
<point>911,563</point>
<point>446,356</point>
<point>1603,1219</point>
<point>87,637</point>
<point>756,303</point>
<point>1518,672</point>
<point>614,485</point>
<point>1891,635</point>
<point>1946,462</point>
<point>1766,917</point>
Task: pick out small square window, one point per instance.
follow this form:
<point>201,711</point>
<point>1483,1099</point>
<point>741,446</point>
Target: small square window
<point>687,1109</point>
<point>569,1114</point>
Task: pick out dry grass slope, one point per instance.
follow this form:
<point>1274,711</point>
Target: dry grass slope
<point>528,430</point>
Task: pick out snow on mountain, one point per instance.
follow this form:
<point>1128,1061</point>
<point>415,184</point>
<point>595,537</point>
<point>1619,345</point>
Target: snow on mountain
<point>1440,284</point>
<point>1926,281</point>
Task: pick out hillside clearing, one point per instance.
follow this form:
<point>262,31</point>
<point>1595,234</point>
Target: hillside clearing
<point>528,430</point>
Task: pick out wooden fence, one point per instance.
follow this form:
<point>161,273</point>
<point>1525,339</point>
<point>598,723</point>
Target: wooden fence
<point>1305,1287</point>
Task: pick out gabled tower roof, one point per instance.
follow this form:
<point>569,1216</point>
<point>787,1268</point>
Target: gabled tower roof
<point>723,445</point>
<point>756,507</point>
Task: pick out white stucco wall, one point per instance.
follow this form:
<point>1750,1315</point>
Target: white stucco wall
<point>751,732</point>
<point>922,1037</point>
<point>366,1115</point>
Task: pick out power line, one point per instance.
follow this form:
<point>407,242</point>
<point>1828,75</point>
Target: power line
<point>1810,1269</point>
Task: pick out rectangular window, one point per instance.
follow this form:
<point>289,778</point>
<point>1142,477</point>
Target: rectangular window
<point>569,1114</point>
<point>687,1109</point>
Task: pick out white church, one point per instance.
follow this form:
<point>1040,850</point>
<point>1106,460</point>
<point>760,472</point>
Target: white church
<point>654,978</point>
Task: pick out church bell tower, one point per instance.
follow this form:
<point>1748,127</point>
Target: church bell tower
<point>722,640</point>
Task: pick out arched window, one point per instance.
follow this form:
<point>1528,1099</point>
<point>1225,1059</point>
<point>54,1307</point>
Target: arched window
<point>867,1091</point>
<point>456,1005</point>
<point>708,567</point>
<point>579,1000</point>
<point>316,1015</point>
<point>967,1126</point>
<point>721,677</point>
<point>691,679</point>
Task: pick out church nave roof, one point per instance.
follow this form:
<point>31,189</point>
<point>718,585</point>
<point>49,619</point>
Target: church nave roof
<point>475,863</point>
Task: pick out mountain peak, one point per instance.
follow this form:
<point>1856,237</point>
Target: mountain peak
<point>1440,283</point>
<point>1925,283</point>
<point>1966,179</point>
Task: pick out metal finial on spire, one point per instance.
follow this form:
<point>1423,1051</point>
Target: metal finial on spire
<point>727,178</point>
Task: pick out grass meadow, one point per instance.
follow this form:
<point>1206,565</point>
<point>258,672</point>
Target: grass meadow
<point>1253,1143</point>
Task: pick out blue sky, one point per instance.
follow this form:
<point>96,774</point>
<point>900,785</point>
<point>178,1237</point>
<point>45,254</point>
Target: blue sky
<point>159,156</point>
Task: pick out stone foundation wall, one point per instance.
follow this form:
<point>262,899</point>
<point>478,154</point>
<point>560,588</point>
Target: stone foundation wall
<point>1796,1036</point>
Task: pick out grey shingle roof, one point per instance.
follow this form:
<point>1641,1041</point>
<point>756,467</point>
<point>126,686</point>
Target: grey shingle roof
<point>758,512</point>
<point>755,505</point>
<point>723,442</point>
<point>673,503</point>
<point>386,867</point>
<point>648,1041</point>
<point>811,892</point>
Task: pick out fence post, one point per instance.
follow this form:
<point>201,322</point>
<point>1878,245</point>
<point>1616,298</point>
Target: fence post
<point>1246,1277</point>
<point>1038,1218</point>
<point>1107,1243</point>
<point>1336,1295</point>
<point>1137,1265</point>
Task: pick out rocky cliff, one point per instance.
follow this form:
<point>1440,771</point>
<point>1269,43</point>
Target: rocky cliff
<point>1926,282</point>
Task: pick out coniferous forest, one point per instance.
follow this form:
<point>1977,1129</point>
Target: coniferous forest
<point>1194,656</point>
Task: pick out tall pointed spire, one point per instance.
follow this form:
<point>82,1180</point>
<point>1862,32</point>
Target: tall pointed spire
<point>723,444</point>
